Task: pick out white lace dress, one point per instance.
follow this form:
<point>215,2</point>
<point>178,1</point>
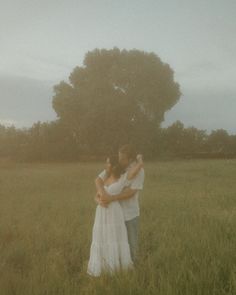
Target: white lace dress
<point>109,249</point>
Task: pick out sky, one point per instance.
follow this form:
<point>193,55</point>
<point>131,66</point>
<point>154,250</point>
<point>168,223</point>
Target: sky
<point>41,42</point>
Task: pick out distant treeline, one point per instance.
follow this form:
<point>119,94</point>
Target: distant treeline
<point>116,97</point>
<point>52,141</point>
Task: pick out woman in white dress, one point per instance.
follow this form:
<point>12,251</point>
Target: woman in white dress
<point>109,251</point>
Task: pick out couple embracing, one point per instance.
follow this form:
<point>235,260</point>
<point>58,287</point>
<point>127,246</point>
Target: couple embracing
<point>115,231</point>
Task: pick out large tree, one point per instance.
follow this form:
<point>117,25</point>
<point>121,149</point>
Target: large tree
<point>117,96</point>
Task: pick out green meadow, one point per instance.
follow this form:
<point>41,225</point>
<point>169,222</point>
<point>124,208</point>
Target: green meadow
<point>187,230</point>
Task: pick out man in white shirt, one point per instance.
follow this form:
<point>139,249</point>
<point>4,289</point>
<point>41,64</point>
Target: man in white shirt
<point>128,198</point>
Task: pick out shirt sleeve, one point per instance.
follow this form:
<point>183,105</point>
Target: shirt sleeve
<point>125,181</point>
<point>137,182</point>
<point>103,174</point>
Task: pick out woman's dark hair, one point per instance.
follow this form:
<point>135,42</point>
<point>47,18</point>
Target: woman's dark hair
<point>116,168</point>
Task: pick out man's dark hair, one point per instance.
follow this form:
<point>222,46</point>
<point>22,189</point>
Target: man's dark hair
<point>129,150</point>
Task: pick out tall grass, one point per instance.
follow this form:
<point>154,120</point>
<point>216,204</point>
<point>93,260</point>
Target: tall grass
<point>187,230</point>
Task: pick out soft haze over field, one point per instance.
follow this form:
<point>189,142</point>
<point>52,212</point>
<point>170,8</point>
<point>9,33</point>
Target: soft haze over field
<point>187,230</point>
<point>42,41</point>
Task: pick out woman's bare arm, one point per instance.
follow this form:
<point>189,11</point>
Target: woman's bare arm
<point>98,200</point>
<point>99,183</point>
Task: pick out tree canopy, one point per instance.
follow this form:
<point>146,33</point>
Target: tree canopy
<point>117,96</point>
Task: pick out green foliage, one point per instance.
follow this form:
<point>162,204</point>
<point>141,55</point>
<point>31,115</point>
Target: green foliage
<point>55,141</point>
<point>117,96</point>
<point>179,140</point>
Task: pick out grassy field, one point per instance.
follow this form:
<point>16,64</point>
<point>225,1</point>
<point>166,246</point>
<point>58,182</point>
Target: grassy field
<point>187,230</point>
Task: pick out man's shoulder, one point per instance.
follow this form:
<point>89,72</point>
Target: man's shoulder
<point>141,171</point>
<point>132,164</point>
